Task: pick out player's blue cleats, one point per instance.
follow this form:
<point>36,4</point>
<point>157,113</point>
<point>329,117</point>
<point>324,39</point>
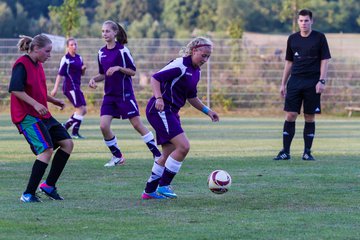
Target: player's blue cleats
<point>153,195</point>
<point>282,155</point>
<point>166,191</point>
<point>50,191</point>
<point>307,156</point>
<point>28,198</point>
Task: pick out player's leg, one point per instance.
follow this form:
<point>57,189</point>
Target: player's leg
<point>64,145</point>
<point>308,134</point>
<point>42,146</point>
<point>80,111</point>
<point>312,105</point>
<point>156,173</point>
<point>69,122</point>
<point>289,130</point>
<point>167,126</point>
<point>71,96</point>
<point>111,142</point>
<point>173,164</point>
<point>293,102</point>
<point>78,117</point>
<point>146,135</point>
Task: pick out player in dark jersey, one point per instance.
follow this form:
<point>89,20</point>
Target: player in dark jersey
<point>172,86</point>
<point>71,69</point>
<point>307,57</point>
<point>116,67</point>
<point>30,114</point>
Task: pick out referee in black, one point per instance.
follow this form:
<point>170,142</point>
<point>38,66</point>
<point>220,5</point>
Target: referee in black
<point>303,81</point>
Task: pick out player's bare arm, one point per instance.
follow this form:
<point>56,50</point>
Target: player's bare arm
<point>127,71</point>
<point>320,86</point>
<point>56,85</point>
<point>196,103</point>
<point>97,78</point>
<point>83,69</point>
<point>155,85</point>
<point>56,101</point>
<point>285,77</point>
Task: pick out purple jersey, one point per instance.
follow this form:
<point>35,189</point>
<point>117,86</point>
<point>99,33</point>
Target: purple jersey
<point>178,81</point>
<point>70,68</point>
<point>119,84</point>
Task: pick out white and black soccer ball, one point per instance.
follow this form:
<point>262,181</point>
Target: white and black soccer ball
<point>219,181</point>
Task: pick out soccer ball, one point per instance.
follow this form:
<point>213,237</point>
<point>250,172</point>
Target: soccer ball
<point>219,181</point>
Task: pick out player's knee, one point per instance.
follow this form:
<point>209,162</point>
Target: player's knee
<point>45,156</point>
<point>136,123</point>
<point>291,116</point>
<point>69,146</point>
<point>309,117</point>
<point>84,111</point>
<point>184,148</point>
<point>48,152</point>
<point>104,127</point>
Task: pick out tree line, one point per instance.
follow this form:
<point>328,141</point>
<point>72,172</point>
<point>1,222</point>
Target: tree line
<point>173,18</point>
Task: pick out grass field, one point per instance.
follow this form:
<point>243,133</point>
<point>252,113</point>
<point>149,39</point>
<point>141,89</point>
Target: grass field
<point>268,199</point>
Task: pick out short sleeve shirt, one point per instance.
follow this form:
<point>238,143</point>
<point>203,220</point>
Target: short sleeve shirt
<point>70,68</point>
<point>119,84</point>
<point>306,53</point>
<point>178,81</point>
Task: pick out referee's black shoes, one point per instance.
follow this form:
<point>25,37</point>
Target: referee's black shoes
<point>282,156</point>
<point>307,156</point>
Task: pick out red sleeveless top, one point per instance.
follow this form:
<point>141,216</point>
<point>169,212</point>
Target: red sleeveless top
<point>35,87</point>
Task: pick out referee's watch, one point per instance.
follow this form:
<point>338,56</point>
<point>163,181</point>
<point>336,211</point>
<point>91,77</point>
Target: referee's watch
<point>322,81</point>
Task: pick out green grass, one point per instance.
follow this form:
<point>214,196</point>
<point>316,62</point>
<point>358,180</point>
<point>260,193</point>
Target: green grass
<point>268,199</point>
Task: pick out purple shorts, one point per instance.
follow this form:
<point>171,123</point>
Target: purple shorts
<point>118,108</point>
<point>167,125</point>
<point>76,97</point>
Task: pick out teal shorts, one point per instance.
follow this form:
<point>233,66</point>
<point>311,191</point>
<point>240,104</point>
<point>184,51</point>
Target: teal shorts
<point>42,134</point>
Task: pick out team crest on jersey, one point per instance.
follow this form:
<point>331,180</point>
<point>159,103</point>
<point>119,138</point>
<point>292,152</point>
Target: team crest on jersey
<point>296,54</point>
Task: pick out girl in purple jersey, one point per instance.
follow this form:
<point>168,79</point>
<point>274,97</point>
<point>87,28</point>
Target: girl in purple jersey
<point>116,67</point>
<point>172,86</point>
<point>71,69</point>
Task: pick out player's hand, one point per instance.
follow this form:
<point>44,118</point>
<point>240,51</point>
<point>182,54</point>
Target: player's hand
<point>283,91</point>
<point>41,109</point>
<point>320,88</point>
<point>53,92</point>
<point>214,116</point>
<point>92,83</point>
<point>83,69</point>
<point>60,103</point>
<point>111,70</point>
<point>159,104</point>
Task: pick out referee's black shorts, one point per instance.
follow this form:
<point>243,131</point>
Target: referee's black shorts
<point>302,90</point>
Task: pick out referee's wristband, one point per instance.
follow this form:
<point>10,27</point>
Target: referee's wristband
<point>205,109</point>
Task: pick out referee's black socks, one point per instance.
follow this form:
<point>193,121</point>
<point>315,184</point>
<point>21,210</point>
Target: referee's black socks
<point>309,134</point>
<point>288,135</point>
